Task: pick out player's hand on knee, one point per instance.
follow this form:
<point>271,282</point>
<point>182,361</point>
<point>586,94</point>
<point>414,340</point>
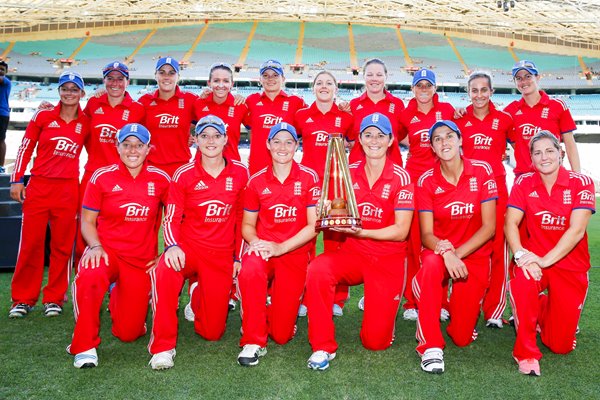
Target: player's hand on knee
<point>455,266</point>
<point>175,258</point>
<point>532,271</point>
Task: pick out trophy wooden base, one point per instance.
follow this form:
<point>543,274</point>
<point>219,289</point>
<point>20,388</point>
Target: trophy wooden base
<point>337,222</point>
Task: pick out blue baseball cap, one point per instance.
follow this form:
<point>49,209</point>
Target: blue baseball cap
<point>283,126</point>
<point>446,123</point>
<point>528,66</point>
<point>168,61</point>
<point>137,130</point>
<point>377,120</point>
<point>116,66</point>
<point>424,75</point>
<point>273,65</point>
<point>72,77</point>
<point>210,120</point>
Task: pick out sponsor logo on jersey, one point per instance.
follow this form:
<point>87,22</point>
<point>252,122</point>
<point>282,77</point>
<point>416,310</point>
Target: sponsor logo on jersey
<point>460,210</point>
<point>385,192</point>
<point>167,120</point>
<point>54,124</point>
<point>405,196</point>
<point>586,196</point>
<point>528,130</point>
<point>567,197</point>
<point>135,212</point>
<point>322,138</point>
<point>99,111</point>
<point>439,190</point>
<point>519,112</point>
<point>355,186</point>
<point>534,194</point>
<point>551,221</point>
<point>151,189</point>
<point>153,103</point>
<point>65,147</point>
<point>216,210</point>
<point>283,212</point>
<point>206,109</point>
<point>117,188</point>
<point>297,188</point>
<point>468,124</point>
<point>259,103</point>
<point>266,191</point>
<point>370,212</point>
<point>270,119</point>
<point>360,107</point>
<point>309,120</point>
<point>415,120</point>
<point>491,185</point>
<point>481,141</point>
<point>200,186</point>
<point>107,133</point>
<point>423,135</point>
<point>315,192</point>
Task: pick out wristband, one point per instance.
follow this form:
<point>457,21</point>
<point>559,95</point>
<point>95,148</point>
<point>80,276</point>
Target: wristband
<point>444,252</point>
<point>97,245</point>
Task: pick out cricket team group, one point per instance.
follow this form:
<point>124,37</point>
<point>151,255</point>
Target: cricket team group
<point>436,227</point>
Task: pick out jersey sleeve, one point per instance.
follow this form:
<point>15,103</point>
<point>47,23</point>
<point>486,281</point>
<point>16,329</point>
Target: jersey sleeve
<point>488,189</point>
<point>28,144</point>
<point>517,197</point>
<point>314,193</point>
<point>424,195</point>
<point>566,122</point>
<point>174,213</point>
<point>584,196</point>
<point>92,198</point>
<point>251,199</point>
<point>405,199</point>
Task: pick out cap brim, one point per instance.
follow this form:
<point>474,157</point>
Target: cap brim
<point>274,69</point>
<point>532,71</point>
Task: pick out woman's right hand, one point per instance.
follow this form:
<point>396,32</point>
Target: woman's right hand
<point>91,258</point>
<point>17,192</point>
<point>175,258</point>
<point>532,270</point>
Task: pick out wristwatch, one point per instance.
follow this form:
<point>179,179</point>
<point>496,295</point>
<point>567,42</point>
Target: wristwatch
<point>519,253</point>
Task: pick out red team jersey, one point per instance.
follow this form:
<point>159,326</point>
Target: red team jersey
<point>58,143</point>
<point>264,113</point>
<point>548,215</point>
<point>548,114</point>
<point>232,115</point>
<point>314,127</point>
<point>377,205</point>
<point>105,121</point>
<point>457,209</point>
<point>486,139</point>
<point>390,106</point>
<point>204,210</point>
<point>169,122</point>
<point>282,207</point>
<point>128,208</point>
<point>416,125</point>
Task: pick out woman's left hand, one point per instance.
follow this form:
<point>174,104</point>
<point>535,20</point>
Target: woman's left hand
<point>530,258</point>
<point>353,230</point>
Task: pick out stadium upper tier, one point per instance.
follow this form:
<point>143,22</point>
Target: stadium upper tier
<point>303,47</point>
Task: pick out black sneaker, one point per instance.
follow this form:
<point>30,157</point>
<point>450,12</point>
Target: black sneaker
<point>19,311</point>
<point>52,310</point>
<point>249,355</point>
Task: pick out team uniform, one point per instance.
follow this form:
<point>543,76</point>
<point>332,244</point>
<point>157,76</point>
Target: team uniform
<point>282,212</point>
<point>203,218</point>
<point>128,210</point>
<point>486,140</point>
<point>51,198</point>
<point>232,115</point>
<point>390,106</point>
<point>548,114</point>
<point>372,262</point>
<point>555,314</point>
<point>457,216</point>
<point>169,121</point>
<point>415,125</point>
<point>263,114</point>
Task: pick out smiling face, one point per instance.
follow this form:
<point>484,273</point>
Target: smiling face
<point>282,147</point>
<point>70,94</point>
<point>166,78</point>
<point>271,81</point>
<point>133,152</point>
<point>324,87</point>
<point>526,82</point>
<point>115,84</point>
<point>211,142</point>
<point>375,78</point>
<point>220,82</point>
<point>545,156</point>
<point>424,91</point>
<point>374,142</point>
<point>480,93</point>
<point>445,143</point>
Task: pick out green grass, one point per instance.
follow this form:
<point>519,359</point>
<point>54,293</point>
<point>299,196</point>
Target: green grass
<point>34,364</point>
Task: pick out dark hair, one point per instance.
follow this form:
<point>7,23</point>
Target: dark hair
<point>223,66</point>
<point>4,64</point>
<point>479,74</point>
<point>375,61</point>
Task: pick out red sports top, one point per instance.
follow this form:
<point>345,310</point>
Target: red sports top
<point>206,211</point>
<point>232,115</point>
<point>486,139</point>
<point>314,127</point>
<point>58,144</point>
<point>169,123</point>
<point>393,191</point>
<point>106,120</point>
<point>128,208</point>
<point>416,125</point>
<point>549,215</point>
<point>264,113</point>
<point>457,209</point>
<point>282,207</point>
<point>390,106</point>
<point>549,114</point>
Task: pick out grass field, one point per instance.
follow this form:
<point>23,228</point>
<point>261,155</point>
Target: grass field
<point>34,364</point>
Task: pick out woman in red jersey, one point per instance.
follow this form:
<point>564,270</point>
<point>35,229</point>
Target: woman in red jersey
<point>485,131</point>
<point>51,197</point>
<point>120,209</point>
<point>551,278</point>
<point>203,240</point>
<point>456,200</point>
<point>279,226</point>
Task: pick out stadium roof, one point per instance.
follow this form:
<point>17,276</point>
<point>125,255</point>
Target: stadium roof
<point>568,24</point>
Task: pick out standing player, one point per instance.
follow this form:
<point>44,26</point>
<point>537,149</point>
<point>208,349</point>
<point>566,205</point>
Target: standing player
<point>534,112</point>
<point>485,131</point>
<point>422,112</point>
<point>120,209</point>
<point>5,86</point>
<point>551,281</point>
<point>314,125</point>
<point>50,197</point>
<point>279,225</point>
<point>369,255</point>
<point>169,115</point>
<point>202,230</point>
<point>267,109</point>
<point>457,211</point>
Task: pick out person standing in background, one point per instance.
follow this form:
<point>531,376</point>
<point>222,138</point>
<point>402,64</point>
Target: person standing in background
<point>5,86</point>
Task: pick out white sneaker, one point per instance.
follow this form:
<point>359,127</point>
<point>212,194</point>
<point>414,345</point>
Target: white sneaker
<point>494,323</point>
<point>232,305</point>
<point>337,311</point>
<point>444,315</point>
<point>410,314</point>
<point>302,310</point>
<point>188,313</point>
<point>250,354</point>
<point>163,360</point>
<point>361,304</point>
<point>432,361</point>
<point>319,360</point>
<point>86,359</point>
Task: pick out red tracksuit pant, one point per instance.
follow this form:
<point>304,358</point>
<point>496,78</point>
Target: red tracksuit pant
<point>213,270</point>
<point>556,314</point>
<point>494,301</point>
<point>465,300</point>
<point>80,243</point>
<point>128,301</point>
<point>332,242</point>
<point>287,275</point>
<point>383,278</point>
<point>51,201</point>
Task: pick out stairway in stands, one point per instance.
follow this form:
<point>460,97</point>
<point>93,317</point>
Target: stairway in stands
<point>10,225</point>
